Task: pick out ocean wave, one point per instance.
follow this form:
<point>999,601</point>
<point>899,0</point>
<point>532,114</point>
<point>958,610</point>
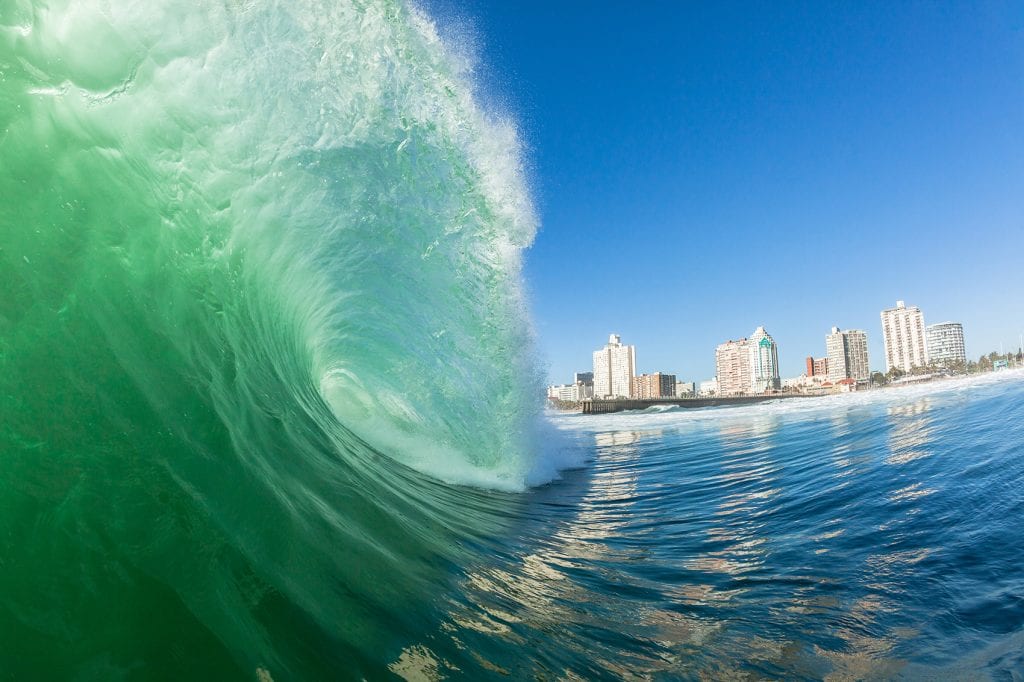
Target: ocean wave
<point>261,273</point>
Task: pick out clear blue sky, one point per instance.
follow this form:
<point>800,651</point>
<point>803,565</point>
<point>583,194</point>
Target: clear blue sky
<point>700,170</point>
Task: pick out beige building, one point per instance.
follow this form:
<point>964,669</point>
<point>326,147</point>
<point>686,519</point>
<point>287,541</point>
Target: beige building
<point>614,369</point>
<point>847,355</point>
<point>904,337</point>
<point>732,367</point>
<point>655,385</point>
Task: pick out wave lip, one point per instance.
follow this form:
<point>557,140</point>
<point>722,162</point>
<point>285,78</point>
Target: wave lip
<point>264,267</point>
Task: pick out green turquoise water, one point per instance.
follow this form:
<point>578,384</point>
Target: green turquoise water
<point>256,258</point>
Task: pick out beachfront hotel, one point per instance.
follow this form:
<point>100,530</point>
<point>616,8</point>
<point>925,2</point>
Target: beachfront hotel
<point>946,343</point>
<point>764,362</point>
<point>614,369</point>
<point>748,365</point>
<point>732,367</point>
<point>657,385</point>
<point>847,353</point>
<point>903,336</point>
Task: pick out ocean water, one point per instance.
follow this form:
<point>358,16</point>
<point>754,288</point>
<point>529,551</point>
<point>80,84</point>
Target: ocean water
<point>268,401</point>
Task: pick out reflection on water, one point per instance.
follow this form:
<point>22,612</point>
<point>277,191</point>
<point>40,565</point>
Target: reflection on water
<point>911,435</point>
<point>810,545</point>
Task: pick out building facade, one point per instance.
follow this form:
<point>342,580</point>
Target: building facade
<point>764,362</point>
<point>655,385</point>
<point>903,336</point>
<point>816,367</point>
<point>946,343</point>
<point>574,392</point>
<point>708,388</point>
<point>847,355</point>
<point>685,389</point>
<point>614,369</point>
<point>732,367</point>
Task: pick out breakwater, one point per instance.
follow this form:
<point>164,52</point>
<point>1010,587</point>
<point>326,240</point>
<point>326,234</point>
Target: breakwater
<point>621,405</point>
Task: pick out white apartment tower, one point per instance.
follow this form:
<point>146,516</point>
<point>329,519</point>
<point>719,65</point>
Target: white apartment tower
<point>614,369</point>
<point>903,337</point>
<point>764,362</point>
<point>847,355</point>
<point>946,343</point>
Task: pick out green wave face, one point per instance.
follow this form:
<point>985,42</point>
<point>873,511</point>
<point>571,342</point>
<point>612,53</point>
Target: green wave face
<point>255,257</point>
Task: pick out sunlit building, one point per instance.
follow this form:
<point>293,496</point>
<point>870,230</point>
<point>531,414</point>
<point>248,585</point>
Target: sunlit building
<point>614,369</point>
<point>764,362</point>
<point>903,336</point>
<point>685,389</point>
<point>655,385</point>
<point>732,367</point>
<point>946,343</point>
<point>847,355</point>
<point>817,367</point>
<point>708,388</point>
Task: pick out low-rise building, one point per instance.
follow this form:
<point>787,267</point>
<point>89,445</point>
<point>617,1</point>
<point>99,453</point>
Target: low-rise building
<point>655,385</point>
<point>685,389</point>
<point>708,388</point>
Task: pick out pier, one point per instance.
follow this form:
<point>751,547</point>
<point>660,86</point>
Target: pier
<point>623,404</point>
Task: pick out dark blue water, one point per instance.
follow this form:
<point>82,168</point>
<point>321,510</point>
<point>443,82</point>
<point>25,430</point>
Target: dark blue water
<point>865,536</point>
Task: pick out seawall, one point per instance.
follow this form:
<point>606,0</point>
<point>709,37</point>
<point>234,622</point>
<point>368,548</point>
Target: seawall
<point>620,405</point>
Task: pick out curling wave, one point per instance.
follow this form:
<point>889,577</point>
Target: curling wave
<point>256,259</point>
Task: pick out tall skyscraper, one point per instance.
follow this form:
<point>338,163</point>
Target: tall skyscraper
<point>764,362</point>
<point>946,343</point>
<point>847,355</point>
<point>614,369</point>
<point>732,367</point>
<point>903,337</point>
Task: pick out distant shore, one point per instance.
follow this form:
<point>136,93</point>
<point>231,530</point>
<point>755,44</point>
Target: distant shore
<point>607,406</point>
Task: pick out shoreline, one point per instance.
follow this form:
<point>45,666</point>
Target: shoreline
<point>632,404</point>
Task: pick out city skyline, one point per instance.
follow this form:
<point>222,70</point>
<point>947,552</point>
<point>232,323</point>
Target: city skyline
<point>845,352</point>
<point>880,155</point>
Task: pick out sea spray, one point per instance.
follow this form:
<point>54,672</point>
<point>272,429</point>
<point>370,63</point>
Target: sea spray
<point>255,259</point>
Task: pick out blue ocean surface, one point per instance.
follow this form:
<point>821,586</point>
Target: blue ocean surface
<point>874,535</point>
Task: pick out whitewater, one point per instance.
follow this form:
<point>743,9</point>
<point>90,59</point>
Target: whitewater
<point>269,408</point>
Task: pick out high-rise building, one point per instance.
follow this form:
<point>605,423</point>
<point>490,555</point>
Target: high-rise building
<point>614,369</point>
<point>946,343</point>
<point>655,385</point>
<point>903,337</point>
<point>748,365</point>
<point>764,362</point>
<point>847,355</point>
<point>732,367</point>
